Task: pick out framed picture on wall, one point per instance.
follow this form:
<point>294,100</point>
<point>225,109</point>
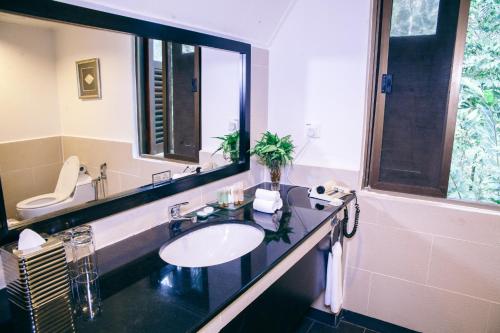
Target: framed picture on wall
<point>89,80</point>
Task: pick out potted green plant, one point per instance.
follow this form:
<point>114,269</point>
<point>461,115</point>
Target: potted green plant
<point>274,152</point>
<point>230,146</point>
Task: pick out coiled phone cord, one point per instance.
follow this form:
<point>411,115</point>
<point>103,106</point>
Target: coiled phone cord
<point>345,221</point>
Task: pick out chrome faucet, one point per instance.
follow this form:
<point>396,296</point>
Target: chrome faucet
<point>175,214</point>
<point>176,218</point>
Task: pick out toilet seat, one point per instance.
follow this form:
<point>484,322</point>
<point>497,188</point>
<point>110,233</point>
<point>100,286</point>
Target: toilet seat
<point>66,183</point>
<point>68,177</point>
<point>42,200</point>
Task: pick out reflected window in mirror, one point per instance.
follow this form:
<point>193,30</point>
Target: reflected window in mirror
<point>189,103</point>
<point>171,126</point>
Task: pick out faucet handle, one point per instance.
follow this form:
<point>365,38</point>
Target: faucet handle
<point>175,210</point>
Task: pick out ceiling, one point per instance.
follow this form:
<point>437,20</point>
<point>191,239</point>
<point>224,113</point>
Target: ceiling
<point>252,21</point>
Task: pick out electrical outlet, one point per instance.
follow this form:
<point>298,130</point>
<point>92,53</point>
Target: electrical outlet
<point>312,130</point>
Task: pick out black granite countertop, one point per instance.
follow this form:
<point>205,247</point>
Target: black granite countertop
<point>142,293</point>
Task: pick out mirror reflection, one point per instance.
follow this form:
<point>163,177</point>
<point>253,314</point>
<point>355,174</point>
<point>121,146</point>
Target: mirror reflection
<point>191,100</point>
<point>87,114</point>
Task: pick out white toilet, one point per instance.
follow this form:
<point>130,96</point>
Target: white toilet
<point>71,189</point>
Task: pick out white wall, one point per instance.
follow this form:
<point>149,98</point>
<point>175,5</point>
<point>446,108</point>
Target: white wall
<point>28,94</point>
<point>39,88</point>
<point>428,265</point>
<point>46,58</point>
<point>317,73</point>
<point>220,94</point>
<point>113,116</point>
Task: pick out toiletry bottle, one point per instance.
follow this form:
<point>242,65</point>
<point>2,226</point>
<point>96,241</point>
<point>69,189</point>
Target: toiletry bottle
<point>241,196</point>
<point>224,197</point>
<point>229,195</point>
<point>220,197</point>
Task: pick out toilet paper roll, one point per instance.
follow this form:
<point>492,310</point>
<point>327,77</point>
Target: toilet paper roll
<point>267,206</point>
<point>83,169</point>
<point>267,195</point>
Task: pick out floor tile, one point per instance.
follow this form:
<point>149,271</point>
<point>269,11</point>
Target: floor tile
<point>342,328</point>
<point>305,326</point>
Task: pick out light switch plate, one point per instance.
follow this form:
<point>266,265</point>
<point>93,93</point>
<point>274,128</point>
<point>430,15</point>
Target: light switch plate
<point>312,130</point>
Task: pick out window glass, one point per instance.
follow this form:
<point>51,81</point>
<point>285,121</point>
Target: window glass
<point>157,50</point>
<point>475,167</point>
<point>414,17</point>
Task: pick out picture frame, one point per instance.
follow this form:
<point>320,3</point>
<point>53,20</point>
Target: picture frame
<point>89,79</point>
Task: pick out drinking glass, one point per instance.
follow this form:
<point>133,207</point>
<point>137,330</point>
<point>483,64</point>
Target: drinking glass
<point>88,299</point>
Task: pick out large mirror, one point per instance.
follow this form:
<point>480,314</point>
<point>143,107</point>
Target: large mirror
<point>89,114</point>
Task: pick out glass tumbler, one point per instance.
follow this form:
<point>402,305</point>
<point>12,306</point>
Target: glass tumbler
<point>67,236</point>
<point>86,279</point>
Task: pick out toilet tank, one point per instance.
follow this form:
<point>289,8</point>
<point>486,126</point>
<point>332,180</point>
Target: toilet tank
<point>84,190</point>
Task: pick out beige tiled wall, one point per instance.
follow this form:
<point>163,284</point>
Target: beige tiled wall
<point>124,171</point>
<point>29,168</point>
<point>429,266</point>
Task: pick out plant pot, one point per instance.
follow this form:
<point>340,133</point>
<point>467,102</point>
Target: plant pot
<point>275,172</point>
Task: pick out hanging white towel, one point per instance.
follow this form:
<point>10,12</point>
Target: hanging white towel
<point>337,294</point>
<point>328,289</point>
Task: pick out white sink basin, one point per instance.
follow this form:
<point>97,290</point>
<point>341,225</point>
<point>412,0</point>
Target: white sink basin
<point>212,244</point>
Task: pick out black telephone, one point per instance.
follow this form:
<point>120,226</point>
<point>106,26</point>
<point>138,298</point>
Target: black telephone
<point>345,221</point>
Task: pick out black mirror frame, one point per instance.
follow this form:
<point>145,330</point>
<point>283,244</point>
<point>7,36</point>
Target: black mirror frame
<point>65,13</point>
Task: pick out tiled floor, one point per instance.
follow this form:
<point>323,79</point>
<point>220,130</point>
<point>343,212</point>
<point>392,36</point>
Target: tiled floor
<point>309,325</point>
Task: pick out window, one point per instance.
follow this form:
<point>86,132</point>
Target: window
<point>416,100</point>
<point>170,119</point>
<point>414,17</point>
<point>475,164</point>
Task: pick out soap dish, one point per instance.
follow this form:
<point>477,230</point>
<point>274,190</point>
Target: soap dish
<point>203,213</point>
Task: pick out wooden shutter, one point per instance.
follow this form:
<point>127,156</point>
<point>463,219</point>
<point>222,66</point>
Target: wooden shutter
<point>157,109</point>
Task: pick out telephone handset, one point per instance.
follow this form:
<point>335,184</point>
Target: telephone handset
<point>345,221</point>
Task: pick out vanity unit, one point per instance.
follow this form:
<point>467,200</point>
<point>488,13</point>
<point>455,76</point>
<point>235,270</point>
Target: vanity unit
<point>274,284</point>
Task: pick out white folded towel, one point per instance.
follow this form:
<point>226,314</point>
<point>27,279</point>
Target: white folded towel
<point>337,294</point>
<point>29,240</point>
<point>328,289</point>
<point>267,195</point>
<point>267,206</point>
